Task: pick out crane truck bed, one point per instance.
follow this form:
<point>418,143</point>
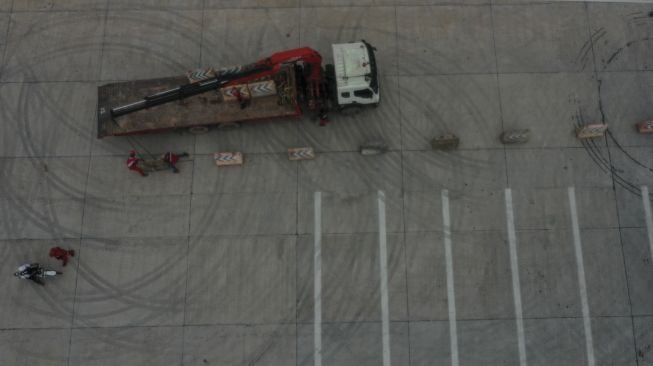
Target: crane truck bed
<point>281,85</point>
<point>206,109</point>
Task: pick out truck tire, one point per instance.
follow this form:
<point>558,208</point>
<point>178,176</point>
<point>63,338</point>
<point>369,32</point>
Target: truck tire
<point>330,76</point>
<point>198,130</point>
<point>351,110</point>
<point>330,72</point>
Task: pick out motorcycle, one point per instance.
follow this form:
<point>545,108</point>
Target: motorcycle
<point>35,272</point>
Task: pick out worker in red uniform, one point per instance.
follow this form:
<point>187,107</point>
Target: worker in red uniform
<point>172,159</point>
<point>244,102</point>
<point>62,254</point>
<point>132,163</point>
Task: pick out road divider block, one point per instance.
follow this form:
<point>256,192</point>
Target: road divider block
<point>228,158</point>
<point>301,153</point>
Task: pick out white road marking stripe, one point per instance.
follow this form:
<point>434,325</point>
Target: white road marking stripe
<point>646,200</point>
<point>607,1</point>
<point>317,286</point>
<point>451,296</point>
<point>589,344</point>
<point>514,267</point>
<point>383,258</point>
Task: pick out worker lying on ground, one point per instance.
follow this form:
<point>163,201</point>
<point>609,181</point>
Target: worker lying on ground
<point>132,163</point>
<point>172,159</point>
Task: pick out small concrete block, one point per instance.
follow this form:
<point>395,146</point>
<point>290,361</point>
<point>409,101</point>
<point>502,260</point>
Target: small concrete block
<point>228,158</point>
<point>301,153</point>
<point>524,93</point>
<point>445,142</point>
<point>375,147</point>
<point>250,90</point>
<point>263,173</point>
<point>645,126</point>
<point>515,136</point>
<point>262,88</point>
<point>591,131</point>
<point>198,75</point>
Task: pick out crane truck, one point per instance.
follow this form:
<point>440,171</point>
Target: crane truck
<point>284,84</point>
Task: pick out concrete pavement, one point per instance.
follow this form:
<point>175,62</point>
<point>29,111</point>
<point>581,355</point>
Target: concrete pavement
<point>534,254</point>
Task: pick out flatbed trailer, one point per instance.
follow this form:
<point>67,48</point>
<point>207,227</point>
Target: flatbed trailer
<point>281,85</point>
<point>195,113</point>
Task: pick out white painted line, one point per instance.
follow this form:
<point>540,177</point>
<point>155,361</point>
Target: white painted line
<point>582,285</point>
<point>646,200</point>
<point>451,295</point>
<point>514,267</point>
<point>606,1</point>
<point>317,272</point>
<point>383,258</point>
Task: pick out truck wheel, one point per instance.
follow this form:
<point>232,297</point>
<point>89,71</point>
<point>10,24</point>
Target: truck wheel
<point>330,73</point>
<point>198,130</point>
<point>351,110</point>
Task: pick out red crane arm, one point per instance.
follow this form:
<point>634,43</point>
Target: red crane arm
<point>260,69</point>
<point>304,54</point>
<point>273,63</point>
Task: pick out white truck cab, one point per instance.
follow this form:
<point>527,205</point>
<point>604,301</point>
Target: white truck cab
<point>356,79</point>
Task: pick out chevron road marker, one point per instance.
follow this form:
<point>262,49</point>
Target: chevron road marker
<point>645,126</point>
<point>301,153</point>
<point>197,75</point>
<point>228,158</point>
<point>591,131</point>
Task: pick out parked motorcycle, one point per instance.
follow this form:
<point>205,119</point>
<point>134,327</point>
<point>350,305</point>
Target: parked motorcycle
<point>35,272</point>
